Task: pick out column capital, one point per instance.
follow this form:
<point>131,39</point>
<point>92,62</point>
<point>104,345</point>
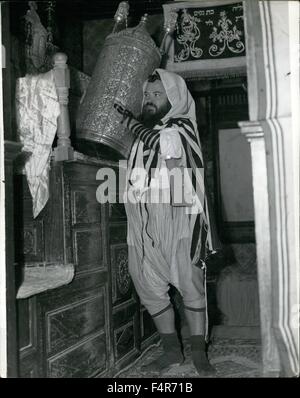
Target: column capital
<point>251,129</point>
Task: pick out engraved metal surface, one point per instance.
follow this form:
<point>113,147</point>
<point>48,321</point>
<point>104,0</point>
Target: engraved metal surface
<point>126,60</point>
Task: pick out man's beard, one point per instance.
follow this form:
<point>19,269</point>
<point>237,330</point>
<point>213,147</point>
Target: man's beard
<point>151,115</point>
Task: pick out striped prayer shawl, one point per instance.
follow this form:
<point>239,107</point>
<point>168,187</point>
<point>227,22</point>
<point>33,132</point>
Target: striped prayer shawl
<point>148,142</point>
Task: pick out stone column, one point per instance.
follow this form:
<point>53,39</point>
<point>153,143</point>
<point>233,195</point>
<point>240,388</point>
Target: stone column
<point>255,136</point>
<point>273,94</point>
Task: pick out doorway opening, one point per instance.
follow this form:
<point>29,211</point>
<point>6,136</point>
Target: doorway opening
<point>232,286</point>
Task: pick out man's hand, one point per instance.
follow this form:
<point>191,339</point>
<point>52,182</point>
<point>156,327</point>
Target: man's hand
<point>136,128</point>
<point>124,112</point>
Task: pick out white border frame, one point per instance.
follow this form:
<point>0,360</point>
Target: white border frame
<point>3,317</point>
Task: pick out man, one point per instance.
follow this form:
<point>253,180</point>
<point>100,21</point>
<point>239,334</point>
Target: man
<point>167,239</point>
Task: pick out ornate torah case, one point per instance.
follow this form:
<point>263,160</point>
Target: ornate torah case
<point>126,60</point>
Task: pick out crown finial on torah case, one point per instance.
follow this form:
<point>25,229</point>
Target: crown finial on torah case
<point>121,14</point>
<point>126,60</point>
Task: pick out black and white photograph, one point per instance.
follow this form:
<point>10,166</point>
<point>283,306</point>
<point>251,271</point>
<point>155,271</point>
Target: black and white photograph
<point>149,192</point>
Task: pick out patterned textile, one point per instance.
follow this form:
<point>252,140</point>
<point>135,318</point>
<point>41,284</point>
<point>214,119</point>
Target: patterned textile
<point>37,109</point>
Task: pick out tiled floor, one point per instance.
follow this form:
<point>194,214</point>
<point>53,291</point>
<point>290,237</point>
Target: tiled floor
<point>231,358</point>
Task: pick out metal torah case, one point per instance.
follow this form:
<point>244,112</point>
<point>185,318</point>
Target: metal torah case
<point>126,60</point>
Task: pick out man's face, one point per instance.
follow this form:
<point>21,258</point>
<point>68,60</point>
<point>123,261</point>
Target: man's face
<point>156,103</point>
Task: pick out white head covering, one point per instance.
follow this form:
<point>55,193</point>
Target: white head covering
<point>178,94</point>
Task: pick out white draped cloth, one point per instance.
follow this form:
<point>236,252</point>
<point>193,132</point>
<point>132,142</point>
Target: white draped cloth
<point>37,109</point>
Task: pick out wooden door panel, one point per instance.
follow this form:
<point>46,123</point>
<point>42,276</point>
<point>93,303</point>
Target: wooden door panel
<point>27,338</point>
<point>85,208</point>
<point>29,367</point>
<point>70,318</point>
<point>68,324</point>
<point>122,286</point>
<point>117,233</point>
<point>27,328</point>
<point>125,340</point>
<point>85,359</point>
<point>92,326</point>
<point>88,249</point>
<point>117,212</point>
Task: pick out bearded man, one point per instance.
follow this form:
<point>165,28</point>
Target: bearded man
<point>167,240</point>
